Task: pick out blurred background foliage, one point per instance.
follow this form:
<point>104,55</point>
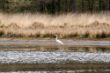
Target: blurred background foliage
<point>54,6</point>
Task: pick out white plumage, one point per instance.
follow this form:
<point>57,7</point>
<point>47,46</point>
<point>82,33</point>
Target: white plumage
<point>58,41</point>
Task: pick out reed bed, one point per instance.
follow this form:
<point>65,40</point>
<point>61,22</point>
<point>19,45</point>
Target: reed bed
<point>82,25</point>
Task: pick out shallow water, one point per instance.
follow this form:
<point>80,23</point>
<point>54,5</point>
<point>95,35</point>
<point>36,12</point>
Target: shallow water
<point>51,57</point>
<point>34,56</point>
<point>63,71</point>
<point>37,42</point>
<point>60,49</point>
<point>49,62</point>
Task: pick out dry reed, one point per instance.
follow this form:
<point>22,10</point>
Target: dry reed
<point>47,26</point>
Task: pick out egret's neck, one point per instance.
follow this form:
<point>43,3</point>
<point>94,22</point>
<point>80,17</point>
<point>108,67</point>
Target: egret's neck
<point>56,38</point>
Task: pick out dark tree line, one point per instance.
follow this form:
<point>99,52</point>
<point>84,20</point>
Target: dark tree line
<point>54,6</point>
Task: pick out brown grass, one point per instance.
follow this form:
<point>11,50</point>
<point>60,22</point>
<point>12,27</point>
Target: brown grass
<point>47,26</point>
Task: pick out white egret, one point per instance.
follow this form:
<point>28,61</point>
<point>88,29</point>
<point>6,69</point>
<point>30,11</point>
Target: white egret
<point>58,41</point>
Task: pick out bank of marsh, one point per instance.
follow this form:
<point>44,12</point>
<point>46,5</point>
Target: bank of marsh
<point>48,26</point>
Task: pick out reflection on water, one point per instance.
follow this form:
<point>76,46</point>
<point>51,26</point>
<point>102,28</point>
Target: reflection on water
<point>77,67</point>
<point>63,49</point>
<point>63,71</point>
<point>64,68</point>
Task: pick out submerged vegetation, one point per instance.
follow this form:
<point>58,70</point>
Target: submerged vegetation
<point>57,49</point>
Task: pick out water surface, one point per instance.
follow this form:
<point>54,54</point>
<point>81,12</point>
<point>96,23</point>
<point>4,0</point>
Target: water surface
<point>48,56</point>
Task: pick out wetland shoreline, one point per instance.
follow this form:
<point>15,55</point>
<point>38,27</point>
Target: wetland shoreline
<point>26,43</point>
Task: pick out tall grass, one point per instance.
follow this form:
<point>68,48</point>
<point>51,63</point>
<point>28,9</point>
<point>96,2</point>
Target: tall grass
<point>69,25</point>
